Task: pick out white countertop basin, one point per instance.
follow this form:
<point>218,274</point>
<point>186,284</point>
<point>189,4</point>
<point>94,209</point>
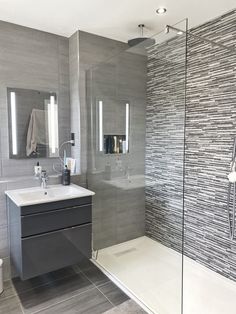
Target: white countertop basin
<point>53,193</point>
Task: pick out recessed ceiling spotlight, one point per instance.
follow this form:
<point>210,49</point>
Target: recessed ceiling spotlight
<point>161,10</point>
<point>180,33</point>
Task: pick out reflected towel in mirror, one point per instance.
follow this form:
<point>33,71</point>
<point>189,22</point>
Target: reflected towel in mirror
<point>36,131</point>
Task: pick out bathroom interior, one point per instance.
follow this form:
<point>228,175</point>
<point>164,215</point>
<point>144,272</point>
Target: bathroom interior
<point>117,157</point>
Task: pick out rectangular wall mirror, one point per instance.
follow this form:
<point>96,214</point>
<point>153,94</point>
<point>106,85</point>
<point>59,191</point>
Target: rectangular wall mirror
<point>113,126</point>
<point>33,123</point>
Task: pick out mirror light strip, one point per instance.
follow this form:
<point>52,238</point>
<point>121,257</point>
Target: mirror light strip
<point>52,124</point>
<point>127,127</point>
<point>100,115</point>
<point>13,123</point>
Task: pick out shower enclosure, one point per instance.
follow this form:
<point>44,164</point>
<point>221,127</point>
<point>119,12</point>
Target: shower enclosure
<point>136,122</point>
<point>161,124</point>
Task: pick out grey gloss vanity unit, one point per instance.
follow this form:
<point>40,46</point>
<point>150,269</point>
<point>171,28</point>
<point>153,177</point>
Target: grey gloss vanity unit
<point>49,229</point>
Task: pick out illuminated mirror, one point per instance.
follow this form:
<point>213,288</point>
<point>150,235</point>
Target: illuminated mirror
<point>113,126</point>
<point>33,123</point>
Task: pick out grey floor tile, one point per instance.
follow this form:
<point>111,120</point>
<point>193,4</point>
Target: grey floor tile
<point>10,305</point>
<point>90,302</point>
<point>115,295</point>
<point>22,286</point>
<point>128,307</point>
<point>93,273</point>
<point>47,295</point>
<point>85,264</point>
<point>8,291</point>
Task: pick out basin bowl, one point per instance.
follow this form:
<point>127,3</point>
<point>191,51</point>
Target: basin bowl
<point>53,193</point>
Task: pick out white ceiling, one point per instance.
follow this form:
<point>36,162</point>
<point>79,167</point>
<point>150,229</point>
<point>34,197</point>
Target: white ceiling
<point>109,18</point>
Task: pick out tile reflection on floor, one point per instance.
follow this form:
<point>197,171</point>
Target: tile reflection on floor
<point>79,289</point>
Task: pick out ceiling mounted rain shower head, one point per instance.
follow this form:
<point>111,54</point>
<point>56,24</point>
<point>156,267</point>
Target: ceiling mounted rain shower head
<point>147,42</point>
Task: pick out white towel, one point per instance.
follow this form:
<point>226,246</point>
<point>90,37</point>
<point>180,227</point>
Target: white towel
<point>36,131</point>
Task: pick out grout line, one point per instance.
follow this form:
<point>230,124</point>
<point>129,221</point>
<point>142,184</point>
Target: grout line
<point>44,284</point>
<point>92,281</point>
<point>14,296</point>
<point>97,287</point>
<point>105,283</point>
<point>77,271</point>
<point>22,309</point>
<point>62,301</point>
<point>9,296</point>
<point>125,289</point>
<point>106,298</point>
<point>47,284</point>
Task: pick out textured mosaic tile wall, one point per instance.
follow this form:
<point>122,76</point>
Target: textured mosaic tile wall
<point>165,142</point>
<point>210,129</point>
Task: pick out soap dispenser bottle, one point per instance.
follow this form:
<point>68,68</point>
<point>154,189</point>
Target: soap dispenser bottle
<point>37,170</point>
<point>65,178</point>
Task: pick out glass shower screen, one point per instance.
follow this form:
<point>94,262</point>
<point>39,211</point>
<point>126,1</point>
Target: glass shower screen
<point>136,119</point>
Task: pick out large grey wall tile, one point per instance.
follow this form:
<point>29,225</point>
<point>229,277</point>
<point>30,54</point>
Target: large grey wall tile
<point>33,60</point>
<point>116,77</point>
<point>4,242</point>
<point>6,268</point>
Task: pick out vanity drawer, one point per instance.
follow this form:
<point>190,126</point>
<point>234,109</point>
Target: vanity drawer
<point>44,207</point>
<point>55,220</point>
<point>54,250</point>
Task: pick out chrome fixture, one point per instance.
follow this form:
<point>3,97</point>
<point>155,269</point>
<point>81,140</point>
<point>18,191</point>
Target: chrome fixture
<point>167,29</point>
<point>161,10</point>
<point>62,160</point>
<point>44,179</point>
<point>181,32</point>
<point>232,183</point>
<point>147,42</point>
<point>72,142</point>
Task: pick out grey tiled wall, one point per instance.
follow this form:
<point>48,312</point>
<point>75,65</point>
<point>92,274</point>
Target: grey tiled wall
<point>165,142</point>
<point>210,129</point>
<point>75,99</point>
<point>33,60</point>
<point>118,210</point>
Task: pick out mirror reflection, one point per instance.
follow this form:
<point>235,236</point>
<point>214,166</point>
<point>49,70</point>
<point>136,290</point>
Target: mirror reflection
<point>113,126</point>
<point>33,123</point>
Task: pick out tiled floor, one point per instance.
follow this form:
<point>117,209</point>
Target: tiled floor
<point>83,289</point>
